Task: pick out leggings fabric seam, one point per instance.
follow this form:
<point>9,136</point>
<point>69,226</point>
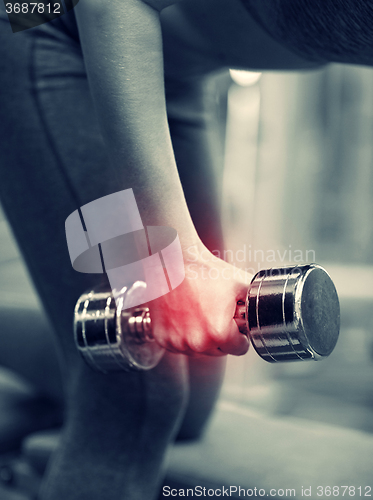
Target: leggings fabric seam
<point>43,122</point>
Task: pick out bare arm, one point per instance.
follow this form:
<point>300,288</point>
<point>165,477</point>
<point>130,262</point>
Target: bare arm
<point>122,49</point>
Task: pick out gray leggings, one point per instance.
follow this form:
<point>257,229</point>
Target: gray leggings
<point>52,161</point>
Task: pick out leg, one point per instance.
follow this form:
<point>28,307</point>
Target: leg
<point>33,356</point>
<point>191,115</point>
<point>54,162</point>
<point>63,165</point>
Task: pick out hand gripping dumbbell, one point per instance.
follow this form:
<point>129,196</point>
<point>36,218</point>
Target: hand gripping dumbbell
<point>290,313</point>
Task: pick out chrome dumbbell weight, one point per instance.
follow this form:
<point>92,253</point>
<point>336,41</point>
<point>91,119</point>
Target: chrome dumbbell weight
<point>290,313</point>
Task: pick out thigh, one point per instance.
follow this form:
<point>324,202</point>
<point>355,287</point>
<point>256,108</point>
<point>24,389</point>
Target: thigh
<point>53,161</point>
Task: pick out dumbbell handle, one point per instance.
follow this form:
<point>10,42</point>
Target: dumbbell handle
<point>240,317</point>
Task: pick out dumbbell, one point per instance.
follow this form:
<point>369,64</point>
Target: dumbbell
<point>290,314</point>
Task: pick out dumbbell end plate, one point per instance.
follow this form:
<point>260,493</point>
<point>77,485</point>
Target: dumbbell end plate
<point>317,307</point>
<point>293,313</point>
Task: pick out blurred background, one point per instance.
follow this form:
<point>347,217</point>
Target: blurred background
<point>298,187</point>
<point>297,163</point>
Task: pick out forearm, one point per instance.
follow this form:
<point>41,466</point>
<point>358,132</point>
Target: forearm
<point>122,49</point>
<point>123,55</point>
<point>198,146</point>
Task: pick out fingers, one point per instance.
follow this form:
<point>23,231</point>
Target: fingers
<point>236,343</point>
<point>233,342</point>
<point>218,337</point>
<point>216,351</point>
<point>197,317</point>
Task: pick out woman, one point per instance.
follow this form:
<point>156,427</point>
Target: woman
<point>83,115</point>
